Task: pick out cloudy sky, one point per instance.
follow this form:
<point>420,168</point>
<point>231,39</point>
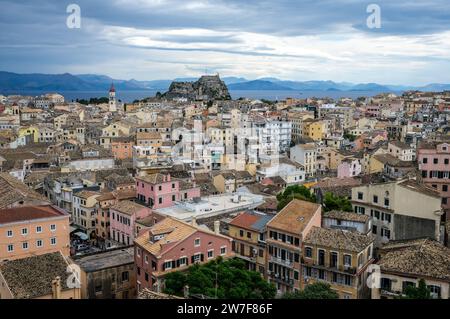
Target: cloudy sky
<point>288,39</point>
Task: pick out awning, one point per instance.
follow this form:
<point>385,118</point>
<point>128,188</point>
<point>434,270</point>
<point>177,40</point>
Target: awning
<point>72,229</point>
<point>82,236</point>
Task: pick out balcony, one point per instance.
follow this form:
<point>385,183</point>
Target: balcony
<point>280,261</point>
<point>281,279</point>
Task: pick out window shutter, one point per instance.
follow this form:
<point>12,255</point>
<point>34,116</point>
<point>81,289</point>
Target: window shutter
<point>202,257</point>
<point>173,264</point>
<point>178,263</point>
<point>192,259</point>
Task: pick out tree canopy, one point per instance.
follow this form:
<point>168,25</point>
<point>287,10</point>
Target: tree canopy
<point>419,292</point>
<point>93,100</point>
<point>350,137</point>
<point>334,202</point>
<point>318,290</point>
<point>294,191</point>
<point>233,281</point>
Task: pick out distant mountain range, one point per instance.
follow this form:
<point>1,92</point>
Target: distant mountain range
<point>13,82</point>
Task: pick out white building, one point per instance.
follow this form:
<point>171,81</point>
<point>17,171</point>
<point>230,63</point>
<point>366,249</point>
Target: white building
<point>399,210</point>
<point>212,206</point>
<point>291,172</point>
<point>402,151</point>
<point>306,155</point>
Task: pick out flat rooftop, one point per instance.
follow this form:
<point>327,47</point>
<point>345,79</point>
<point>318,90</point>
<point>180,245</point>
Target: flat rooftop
<point>212,205</point>
<point>107,259</point>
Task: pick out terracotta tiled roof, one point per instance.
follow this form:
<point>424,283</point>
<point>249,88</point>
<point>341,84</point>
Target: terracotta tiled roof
<point>338,239</point>
<point>148,294</point>
<point>153,178</point>
<point>86,194</point>
<point>251,221</point>
<point>32,277</point>
<point>177,231</point>
<point>24,213</point>
<point>128,207</point>
<point>105,196</point>
<point>424,257</point>
<point>125,194</point>
<point>244,220</point>
<point>295,216</point>
<point>12,190</point>
<point>392,161</point>
<point>180,230</point>
<point>148,136</point>
<point>420,188</point>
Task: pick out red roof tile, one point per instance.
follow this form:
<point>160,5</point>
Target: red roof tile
<point>244,220</point>
<point>18,214</point>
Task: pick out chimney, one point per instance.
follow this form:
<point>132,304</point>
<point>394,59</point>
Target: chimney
<point>56,288</point>
<point>194,221</point>
<point>168,177</point>
<point>217,226</point>
<point>186,291</point>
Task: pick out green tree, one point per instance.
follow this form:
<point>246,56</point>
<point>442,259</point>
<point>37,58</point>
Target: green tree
<point>350,137</point>
<point>318,290</point>
<point>294,191</point>
<point>419,292</point>
<point>222,278</point>
<point>334,202</point>
<point>175,282</point>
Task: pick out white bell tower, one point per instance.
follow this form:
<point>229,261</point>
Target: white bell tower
<point>112,99</point>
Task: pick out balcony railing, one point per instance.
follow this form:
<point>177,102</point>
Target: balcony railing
<point>278,260</point>
<point>280,278</point>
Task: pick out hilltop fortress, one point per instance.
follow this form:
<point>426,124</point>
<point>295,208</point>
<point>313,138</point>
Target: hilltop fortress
<point>208,87</point>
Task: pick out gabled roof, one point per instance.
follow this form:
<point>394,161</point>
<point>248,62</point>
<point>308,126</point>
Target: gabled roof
<point>128,207</point>
<point>251,221</point>
<point>423,257</point>
<point>175,232</point>
<point>338,239</point>
<point>12,190</point>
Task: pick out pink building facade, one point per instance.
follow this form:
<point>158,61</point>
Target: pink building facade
<point>160,191</point>
<point>123,218</point>
<point>159,250</point>
<point>349,168</point>
<point>434,165</point>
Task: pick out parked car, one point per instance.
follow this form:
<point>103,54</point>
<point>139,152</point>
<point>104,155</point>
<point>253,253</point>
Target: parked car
<point>82,247</point>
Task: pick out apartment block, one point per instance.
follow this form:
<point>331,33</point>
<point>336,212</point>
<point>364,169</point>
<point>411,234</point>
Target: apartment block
<point>340,258</point>
<point>285,235</point>
<point>33,230</point>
